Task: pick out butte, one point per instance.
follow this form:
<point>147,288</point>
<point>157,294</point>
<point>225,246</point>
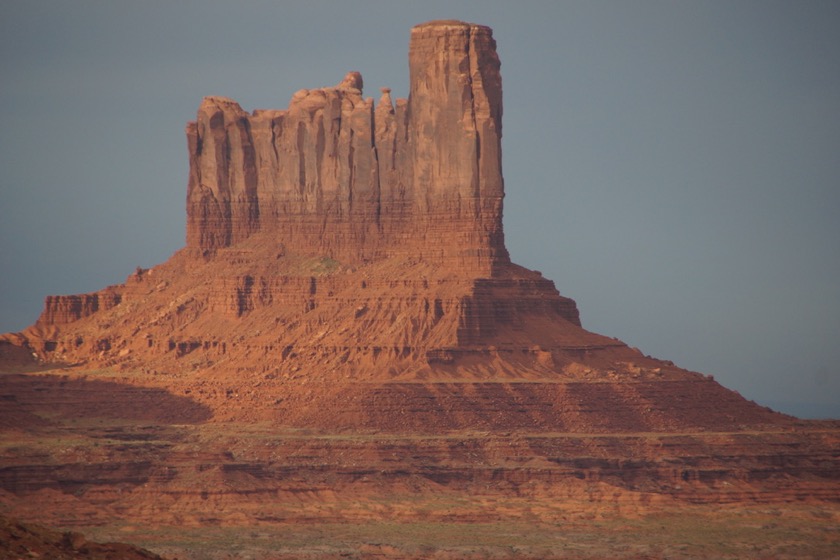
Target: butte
<point>345,337</point>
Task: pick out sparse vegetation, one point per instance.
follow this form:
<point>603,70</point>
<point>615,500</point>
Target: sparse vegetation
<point>702,532</point>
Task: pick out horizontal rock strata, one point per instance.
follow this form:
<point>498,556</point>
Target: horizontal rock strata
<point>142,454</point>
<point>345,339</point>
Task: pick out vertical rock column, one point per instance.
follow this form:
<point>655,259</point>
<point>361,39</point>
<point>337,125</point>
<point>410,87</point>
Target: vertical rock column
<point>222,205</point>
<point>321,194</point>
<point>455,129</point>
<point>394,169</point>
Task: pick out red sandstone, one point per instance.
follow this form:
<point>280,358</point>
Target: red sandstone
<point>346,286</point>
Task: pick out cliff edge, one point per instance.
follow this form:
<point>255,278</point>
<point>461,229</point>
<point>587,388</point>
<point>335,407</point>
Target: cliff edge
<point>336,175</point>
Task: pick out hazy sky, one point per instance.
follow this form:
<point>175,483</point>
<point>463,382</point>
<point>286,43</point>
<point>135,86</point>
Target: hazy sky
<point>673,166</point>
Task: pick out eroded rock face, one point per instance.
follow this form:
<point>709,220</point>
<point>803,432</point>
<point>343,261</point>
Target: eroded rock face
<point>335,176</point>
<point>351,231</point>
<point>344,328</point>
<point>455,132</point>
<point>66,309</point>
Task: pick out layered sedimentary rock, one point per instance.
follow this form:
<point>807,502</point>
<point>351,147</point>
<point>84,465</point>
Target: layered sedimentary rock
<point>344,331</point>
<point>384,218</point>
<point>455,131</point>
<point>340,239</point>
<point>66,309</point>
<point>337,176</point>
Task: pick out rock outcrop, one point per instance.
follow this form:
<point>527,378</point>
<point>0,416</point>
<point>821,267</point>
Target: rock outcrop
<point>334,175</point>
<point>383,220</point>
<point>60,310</point>
<point>344,337</point>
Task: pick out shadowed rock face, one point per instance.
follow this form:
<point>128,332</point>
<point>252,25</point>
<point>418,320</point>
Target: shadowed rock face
<point>332,175</point>
<point>23,540</point>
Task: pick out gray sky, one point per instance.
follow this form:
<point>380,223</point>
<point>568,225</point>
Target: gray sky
<point>672,166</point>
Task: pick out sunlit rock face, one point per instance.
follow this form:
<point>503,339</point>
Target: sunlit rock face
<point>369,234</point>
<point>337,175</point>
<point>344,327</point>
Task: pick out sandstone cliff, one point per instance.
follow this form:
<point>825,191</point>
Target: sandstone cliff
<point>344,339</point>
<point>335,175</point>
<point>342,239</point>
<point>335,225</point>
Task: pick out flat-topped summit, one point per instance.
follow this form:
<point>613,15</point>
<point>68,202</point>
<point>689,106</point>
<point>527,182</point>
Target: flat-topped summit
<point>449,23</point>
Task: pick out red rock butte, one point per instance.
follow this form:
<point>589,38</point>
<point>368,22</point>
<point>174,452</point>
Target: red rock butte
<point>345,272</point>
<point>366,239</point>
<point>333,175</point>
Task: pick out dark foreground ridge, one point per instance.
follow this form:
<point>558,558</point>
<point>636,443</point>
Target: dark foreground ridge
<point>26,540</point>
